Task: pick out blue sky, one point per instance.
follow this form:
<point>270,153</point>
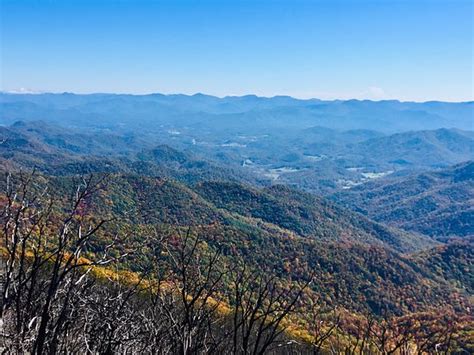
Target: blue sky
<point>408,50</point>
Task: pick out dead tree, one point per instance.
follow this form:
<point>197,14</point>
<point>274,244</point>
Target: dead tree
<point>259,309</point>
<point>190,297</point>
<point>44,266</point>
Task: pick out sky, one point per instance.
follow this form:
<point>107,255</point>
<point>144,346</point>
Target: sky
<point>410,50</point>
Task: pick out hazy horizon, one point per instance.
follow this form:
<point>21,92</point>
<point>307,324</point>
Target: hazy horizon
<point>23,91</point>
<point>405,50</point>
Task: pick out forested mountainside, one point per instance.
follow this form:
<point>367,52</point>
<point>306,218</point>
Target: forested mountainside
<point>452,262</point>
<point>438,204</point>
<point>305,214</point>
<point>106,273</point>
<point>54,150</point>
<point>349,264</point>
<point>427,148</point>
<point>355,262</point>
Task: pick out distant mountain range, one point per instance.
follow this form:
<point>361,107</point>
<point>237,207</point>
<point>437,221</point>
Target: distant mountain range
<point>249,113</point>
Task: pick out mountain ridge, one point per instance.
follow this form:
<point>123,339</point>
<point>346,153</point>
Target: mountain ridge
<point>436,203</point>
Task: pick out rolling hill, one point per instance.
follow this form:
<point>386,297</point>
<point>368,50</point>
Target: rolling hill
<point>438,203</point>
<point>305,214</point>
<point>354,264</point>
<point>55,150</point>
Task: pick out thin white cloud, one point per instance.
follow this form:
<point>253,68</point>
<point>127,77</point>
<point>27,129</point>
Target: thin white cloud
<point>375,92</point>
<point>23,91</point>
